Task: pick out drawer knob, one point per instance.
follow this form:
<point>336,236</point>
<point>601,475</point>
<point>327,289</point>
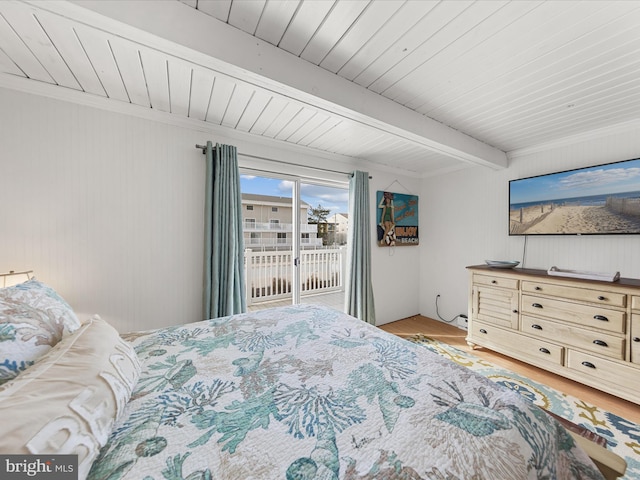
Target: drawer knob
<point>536,305</point>
<point>536,326</point>
<point>601,343</point>
<point>494,281</point>
<point>515,311</point>
<point>602,318</point>
<point>538,288</point>
<point>602,298</point>
<point>636,339</point>
<point>588,364</point>
<point>482,330</point>
<point>544,350</point>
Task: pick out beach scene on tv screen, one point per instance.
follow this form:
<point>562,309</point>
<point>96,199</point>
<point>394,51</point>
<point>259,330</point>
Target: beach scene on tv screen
<point>604,199</point>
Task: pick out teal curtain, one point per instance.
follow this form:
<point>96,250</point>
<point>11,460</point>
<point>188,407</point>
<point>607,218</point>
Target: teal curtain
<point>224,285</point>
<point>359,290</point>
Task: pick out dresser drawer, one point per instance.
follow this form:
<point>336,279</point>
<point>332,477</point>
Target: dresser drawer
<point>595,369</point>
<point>496,281</point>
<point>533,348</point>
<point>597,342</point>
<point>585,315</point>
<point>635,302</point>
<point>601,297</point>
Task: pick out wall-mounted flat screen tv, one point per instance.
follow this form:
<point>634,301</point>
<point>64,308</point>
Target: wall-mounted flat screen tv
<point>599,200</point>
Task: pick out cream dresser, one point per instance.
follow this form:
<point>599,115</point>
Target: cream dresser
<point>585,330</point>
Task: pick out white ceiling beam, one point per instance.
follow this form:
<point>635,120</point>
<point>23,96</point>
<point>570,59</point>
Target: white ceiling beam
<point>177,29</point>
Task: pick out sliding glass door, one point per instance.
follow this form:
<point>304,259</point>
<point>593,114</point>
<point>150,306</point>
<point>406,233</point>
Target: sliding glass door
<point>295,241</point>
<point>323,248</point>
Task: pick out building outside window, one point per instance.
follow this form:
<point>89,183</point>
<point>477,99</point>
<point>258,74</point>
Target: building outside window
<point>255,239</point>
<point>272,219</point>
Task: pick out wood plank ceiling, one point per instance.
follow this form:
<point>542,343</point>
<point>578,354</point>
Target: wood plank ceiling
<point>422,86</point>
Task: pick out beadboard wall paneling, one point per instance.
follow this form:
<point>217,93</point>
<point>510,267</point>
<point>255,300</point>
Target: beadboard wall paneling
<point>466,214</point>
<point>108,209</point>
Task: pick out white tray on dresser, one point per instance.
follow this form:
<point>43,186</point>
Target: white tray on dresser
<point>602,276</point>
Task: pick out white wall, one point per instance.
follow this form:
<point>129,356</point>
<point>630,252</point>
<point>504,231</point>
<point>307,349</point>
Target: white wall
<point>396,271</point>
<point>107,208</point>
<point>466,219</point>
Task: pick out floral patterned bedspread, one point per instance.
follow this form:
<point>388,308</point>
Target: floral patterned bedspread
<point>306,392</point>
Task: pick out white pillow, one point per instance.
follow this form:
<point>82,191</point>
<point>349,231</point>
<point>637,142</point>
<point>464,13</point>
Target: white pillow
<point>69,400</point>
<point>33,318</point>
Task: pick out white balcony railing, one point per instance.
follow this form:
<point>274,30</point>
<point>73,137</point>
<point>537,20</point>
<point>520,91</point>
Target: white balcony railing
<point>277,227</point>
<point>280,242</point>
<point>268,274</point>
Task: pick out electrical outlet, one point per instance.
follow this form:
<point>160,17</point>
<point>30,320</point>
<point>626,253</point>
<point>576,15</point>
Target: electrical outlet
<point>463,321</point>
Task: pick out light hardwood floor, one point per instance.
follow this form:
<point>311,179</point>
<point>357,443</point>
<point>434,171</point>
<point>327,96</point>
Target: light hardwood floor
<point>454,336</point>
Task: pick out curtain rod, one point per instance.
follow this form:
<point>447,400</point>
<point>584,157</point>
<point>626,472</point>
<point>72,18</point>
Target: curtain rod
<point>204,149</point>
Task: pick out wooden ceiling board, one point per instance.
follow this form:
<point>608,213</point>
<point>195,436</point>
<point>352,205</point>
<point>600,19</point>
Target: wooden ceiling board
<point>65,40</point>
<point>220,97</point>
<point>413,39</point>
<point>447,30</point>
<point>301,117</point>
<point>356,139</point>
<point>240,98</point>
<point>98,50</point>
<point>528,61</point>
<point>570,120</point>
<point>409,88</point>
<point>321,130</point>
<point>336,24</point>
<point>155,67</point>
<point>385,146</point>
<point>179,82</point>
<point>612,116</point>
<point>130,68</point>
<point>309,127</point>
<point>330,140</point>
<point>372,19</point>
<point>290,110</point>
<point>22,57</point>
<point>562,81</point>
<point>254,109</point>
<point>246,15</point>
<point>384,37</point>
<point>201,88</point>
<point>303,25</point>
<point>271,111</point>
<point>28,28</point>
<point>7,65</point>
<point>275,19</point>
<point>219,9</point>
<point>500,53</point>
<point>569,89</point>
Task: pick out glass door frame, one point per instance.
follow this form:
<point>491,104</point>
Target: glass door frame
<point>297,181</point>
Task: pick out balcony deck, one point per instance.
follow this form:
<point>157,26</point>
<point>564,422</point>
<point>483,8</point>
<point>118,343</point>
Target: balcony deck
<point>329,299</point>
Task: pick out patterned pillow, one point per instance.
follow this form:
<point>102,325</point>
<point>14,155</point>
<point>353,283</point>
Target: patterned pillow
<point>33,318</point>
<point>69,400</point>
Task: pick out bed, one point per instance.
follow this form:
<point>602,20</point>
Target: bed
<point>300,392</point>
